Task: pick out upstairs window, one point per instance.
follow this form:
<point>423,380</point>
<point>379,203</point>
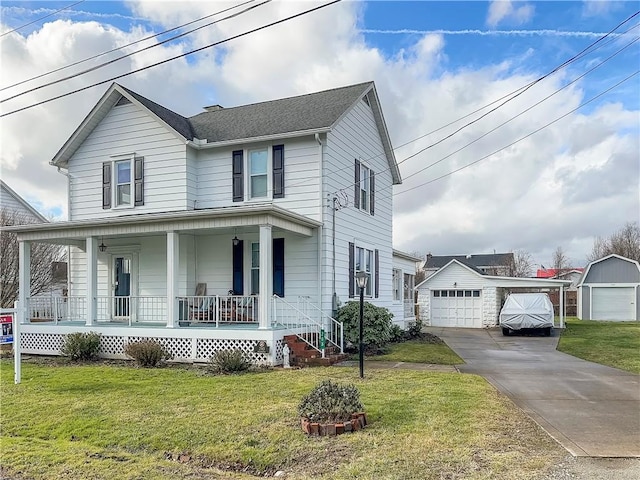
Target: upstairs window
<point>364,182</point>
<point>123,183</point>
<point>258,161</point>
<point>365,189</point>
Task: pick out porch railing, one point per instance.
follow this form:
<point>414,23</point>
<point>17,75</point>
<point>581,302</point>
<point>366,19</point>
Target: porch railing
<point>294,319</point>
<point>130,309</point>
<point>334,329</point>
<point>409,308</point>
<point>56,308</point>
<point>218,309</point>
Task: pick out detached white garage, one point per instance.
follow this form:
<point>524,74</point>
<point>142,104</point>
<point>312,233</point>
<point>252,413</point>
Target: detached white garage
<point>610,290</point>
<point>459,295</point>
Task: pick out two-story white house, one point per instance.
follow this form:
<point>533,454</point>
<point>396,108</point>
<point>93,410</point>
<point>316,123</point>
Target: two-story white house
<point>228,229</point>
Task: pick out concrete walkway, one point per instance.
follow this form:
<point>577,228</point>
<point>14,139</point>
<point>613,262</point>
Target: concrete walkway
<point>592,410</point>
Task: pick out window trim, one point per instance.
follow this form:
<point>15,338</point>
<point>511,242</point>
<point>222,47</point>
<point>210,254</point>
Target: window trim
<point>114,160</point>
<point>252,268</point>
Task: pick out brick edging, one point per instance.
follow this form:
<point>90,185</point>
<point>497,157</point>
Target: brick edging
<point>358,421</point>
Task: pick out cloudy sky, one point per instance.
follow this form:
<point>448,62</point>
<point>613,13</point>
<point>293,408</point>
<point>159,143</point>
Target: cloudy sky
<point>434,63</point>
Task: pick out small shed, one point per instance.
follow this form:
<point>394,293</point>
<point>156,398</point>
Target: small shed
<point>610,290</point>
<point>460,295</point>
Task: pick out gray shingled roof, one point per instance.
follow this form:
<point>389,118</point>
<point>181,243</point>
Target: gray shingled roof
<point>293,114</point>
<point>179,123</point>
<point>482,260</point>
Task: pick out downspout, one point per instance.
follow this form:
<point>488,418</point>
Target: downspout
<point>66,174</point>
<point>320,229</point>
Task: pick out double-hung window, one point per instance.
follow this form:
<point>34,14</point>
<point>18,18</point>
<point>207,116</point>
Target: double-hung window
<point>364,182</point>
<point>255,268</point>
<point>397,284</point>
<point>365,187</point>
<point>123,183</point>
<point>258,166</point>
<point>364,263</point>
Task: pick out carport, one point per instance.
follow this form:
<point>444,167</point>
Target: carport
<point>459,295</point>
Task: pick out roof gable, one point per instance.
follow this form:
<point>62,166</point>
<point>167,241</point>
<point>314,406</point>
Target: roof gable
<point>174,122</point>
<point>585,274</point>
<point>481,260</point>
<point>28,209</point>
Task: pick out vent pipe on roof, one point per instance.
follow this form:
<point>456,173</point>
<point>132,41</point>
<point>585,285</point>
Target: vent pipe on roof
<point>468,256</point>
<point>213,108</point>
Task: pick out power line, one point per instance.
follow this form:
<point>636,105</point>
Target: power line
<point>41,18</point>
<point>516,93</point>
<point>149,37</point>
<point>173,58</point>
<point>104,64</point>
<point>520,139</point>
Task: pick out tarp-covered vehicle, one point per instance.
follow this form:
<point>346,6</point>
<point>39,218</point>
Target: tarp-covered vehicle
<point>526,312</point>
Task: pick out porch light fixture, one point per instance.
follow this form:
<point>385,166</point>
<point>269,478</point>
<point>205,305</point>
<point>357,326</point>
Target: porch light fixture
<point>361,280</point>
<point>102,247</point>
<point>235,241</point>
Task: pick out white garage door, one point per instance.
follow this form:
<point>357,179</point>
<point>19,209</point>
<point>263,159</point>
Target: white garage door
<point>611,303</point>
<point>456,308</point>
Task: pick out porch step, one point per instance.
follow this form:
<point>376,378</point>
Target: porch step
<point>303,354</point>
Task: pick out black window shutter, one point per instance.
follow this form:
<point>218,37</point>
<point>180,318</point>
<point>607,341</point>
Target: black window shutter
<point>138,170</point>
<point>238,177</point>
<point>106,185</point>
<point>372,184</point>
<point>352,269</point>
<point>278,171</point>
<point>238,268</point>
<point>356,181</point>
<point>278,266</point>
<point>377,273</point>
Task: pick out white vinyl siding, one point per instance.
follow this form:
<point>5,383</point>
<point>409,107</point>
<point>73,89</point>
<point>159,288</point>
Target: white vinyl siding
<point>613,303</point>
<point>128,129</point>
<point>301,166</point>
<point>356,136</point>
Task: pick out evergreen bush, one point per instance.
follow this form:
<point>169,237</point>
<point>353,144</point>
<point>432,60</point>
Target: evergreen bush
<point>376,324</point>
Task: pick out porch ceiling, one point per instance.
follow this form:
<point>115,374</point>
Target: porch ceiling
<point>160,223</point>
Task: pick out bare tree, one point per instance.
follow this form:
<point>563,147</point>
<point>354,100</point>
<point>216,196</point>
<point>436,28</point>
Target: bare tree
<point>559,261</point>
<point>624,242</point>
<point>521,264</point>
<point>42,257</point>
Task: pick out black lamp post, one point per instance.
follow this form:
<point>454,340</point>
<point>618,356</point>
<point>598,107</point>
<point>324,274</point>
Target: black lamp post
<point>361,279</point>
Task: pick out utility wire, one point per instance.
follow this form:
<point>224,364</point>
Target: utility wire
<point>191,52</point>
<point>516,93</point>
<point>41,18</point>
<point>519,140</point>
<point>124,46</point>
<point>114,60</point>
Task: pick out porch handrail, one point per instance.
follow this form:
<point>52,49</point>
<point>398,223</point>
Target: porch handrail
<point>131,308</point>
<point>56,308</point>
<point>336,328</point>
<point>305,327</point>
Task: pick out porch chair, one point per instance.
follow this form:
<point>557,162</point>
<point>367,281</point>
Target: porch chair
<point>234,309</point>
<point>202,307</point>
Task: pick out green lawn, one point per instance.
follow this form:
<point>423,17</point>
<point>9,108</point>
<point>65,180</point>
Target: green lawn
<point>112,421</point>
<point>417,351</point>
<point>616,344</point>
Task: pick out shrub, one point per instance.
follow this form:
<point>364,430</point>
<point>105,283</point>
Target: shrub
<point>330,402</point>
<point>147,353</point>
<point>376,328</point>
<point>81,346</point>
<point>415,329</point>
<point>229,361</point>
<point>397,334</point>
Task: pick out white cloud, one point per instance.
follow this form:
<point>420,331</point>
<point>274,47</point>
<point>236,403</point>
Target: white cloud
<point>501,11</point>
<point>562,186</point>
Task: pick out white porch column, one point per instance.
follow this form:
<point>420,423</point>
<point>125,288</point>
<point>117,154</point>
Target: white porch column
<point>561,312</point>
<point>92,279</point>
<point>266,277</point>
<point>173,260</point>
<point>24,281</point>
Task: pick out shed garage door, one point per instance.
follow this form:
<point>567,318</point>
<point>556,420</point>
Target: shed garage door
<point>456,308</point>
<point>611,303</point>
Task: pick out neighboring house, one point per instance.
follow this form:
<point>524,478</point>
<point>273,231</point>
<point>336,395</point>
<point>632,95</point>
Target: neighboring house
<point>491,264</point>
<point>571,292</point>
<point>17,211</point>
<point>461,295</point>
<point>610,290</point>
<point>14,205</point>
<point>229,229</point>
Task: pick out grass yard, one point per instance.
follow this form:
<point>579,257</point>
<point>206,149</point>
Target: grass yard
<point>616,344</point>
<point>417,351</point>
<point>97,421</point>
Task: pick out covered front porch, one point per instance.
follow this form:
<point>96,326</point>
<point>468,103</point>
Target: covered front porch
<point>232,271</point>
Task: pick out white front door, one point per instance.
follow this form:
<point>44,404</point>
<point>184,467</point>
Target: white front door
<point>613,303</point>
<point>456,308</point>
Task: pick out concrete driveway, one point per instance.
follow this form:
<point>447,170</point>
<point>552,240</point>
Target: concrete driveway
<point>590,409</point>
